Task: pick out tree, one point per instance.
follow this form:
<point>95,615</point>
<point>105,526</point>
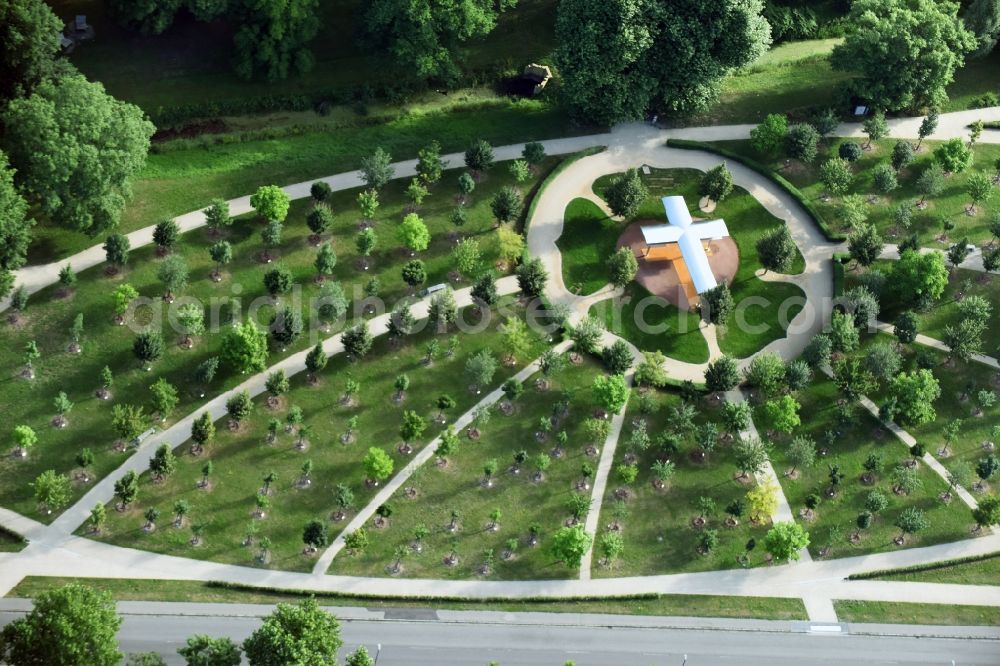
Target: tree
<point>875,126</point>
<point>203,650</point>
<point>148,347</point>
<point>239,406</point>
<point>853,210</point>
<point>479,156</point>
<point>902,154</point>
<point>511,244</point>
<point>315,535</point>
<point>777,250</point>
<point>863,307</point>
<point>906,53</point>
<point>359,657</point>
<point>618,59</point>
<point>28,47</point>
<point>817,353</point>
<point>244,347</point>
<point>911,520</point>
<point>506,204</point>
<point>416,192</point>
<point>768,136</point>
<point>751,454</point>
<point>930,182</point>
<point>982,18</point>
<point>618,357</point>
<point>302,634</point>
<point>466,185</point>
<point>515,338</point>
<point>783,413</point>
<point>884,176</point>
<point>836,175</point>
<point>987,513</point>
<point>914,394</point>
<point>426,38</point>
<point>623,267</point>
<point>466,256</point>
<point>532,277</point>
<point>520,171</point>
<point>52,491</point>
<point>611,392</point>
<point>368,203</point>
<point>442,311</point>
<point>736,416</point>
<point>357,340</point>
<point>164,397</point>
<point>163,463</point>
<point>101,143</point>
<point>481,367</point>
<point>286,326</point>
<point>412,233</point>
<point>953,156</point>
<point>377,169</point>
<point>116,249</point>
<point>980,188</point>
<point>127,421</point>
<point>801,142</point>
<point>165,234</point>
<point>865,244</point>
<point>722,374</point>
<point>316,360</point>
<point>270,202</point>
<point>413,426</point>
<point>626,193</point>
<point>173,273</point>
<point>763,501</point>
<point>717,183</point>
<point>965,339</point>
<point>272,37</point>
<point>326,260</point>
<point>378,465</point>
<point>278,281</point>
<point>202,430</point>
<point>127,488</point>
<point>67,626</point>
<point>533,153</point>
<point>319,220</point>
<point>850,151</point>
<point>766,371</point>
<point>801,453</point>
<point>570,544</point>
<point>785,540</point>
<point>883,361</point>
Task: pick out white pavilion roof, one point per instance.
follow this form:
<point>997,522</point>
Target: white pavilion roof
<point>689,236</point>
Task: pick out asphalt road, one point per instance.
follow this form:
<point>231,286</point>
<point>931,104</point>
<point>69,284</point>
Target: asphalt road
<point>512,643</point>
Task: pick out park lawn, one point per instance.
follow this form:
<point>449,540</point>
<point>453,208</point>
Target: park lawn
<point>242,458</point>
<point>652,324</point>
<point>522,501</point>
<point>747,221</point>
<point>887,612</point>
<point>178,181</point>
<point>10,542</point>
<point>932,323</point>
<point>950,203</point>
<point>982,571</point>
<point>587,241</point>
<point>657,525</point>
<point>48,318</point>
<point>848,445</point>
<point>678,605</point>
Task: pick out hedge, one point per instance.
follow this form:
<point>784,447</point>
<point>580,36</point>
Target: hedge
<point>839,260</point>
<point>766,171</point>
<point>917,568</point>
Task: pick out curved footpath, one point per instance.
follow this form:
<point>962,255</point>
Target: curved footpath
<point>951,125</point>
<point>54,551</point>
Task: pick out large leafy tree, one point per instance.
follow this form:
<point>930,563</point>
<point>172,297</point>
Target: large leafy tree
<point>15,227</point>
<point>29,42</point>
<point>244,347</point>
<point>425,36</point>
<point>272,37</point>
<point>150,17</point>
<point>68,626</point>
<point>302,634</point>
<point>76,149</point>
<point>621,57</point>
<point>983,19</point>
<point>905,51</point>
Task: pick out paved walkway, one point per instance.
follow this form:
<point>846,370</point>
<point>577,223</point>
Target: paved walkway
<point>178,433</point>
<point>939,345</point>
<point>383,495</point>
<point>951,125</point>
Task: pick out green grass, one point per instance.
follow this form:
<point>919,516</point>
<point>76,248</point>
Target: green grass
<point>982,571</point>
<point>522,500</point>
<point>657,530</point>
<point>588,239</point>
<point>180,181</point>
<point>658,326</point>
<point>242,459</point>
<point>848,445</point>
<point>48,319</point>
<point>950,203</point>
<point>885,612</point>
<point>10,542</point>
<point>693,605</point>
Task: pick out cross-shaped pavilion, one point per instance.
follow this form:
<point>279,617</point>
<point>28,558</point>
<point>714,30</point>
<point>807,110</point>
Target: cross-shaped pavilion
<point>684,243</point>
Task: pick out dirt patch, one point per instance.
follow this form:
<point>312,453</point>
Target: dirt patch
<point>190,130</point>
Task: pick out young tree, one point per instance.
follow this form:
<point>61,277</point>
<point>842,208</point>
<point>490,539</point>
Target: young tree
<point>127,489</point>
<point>626,193</point>
<point>217,215</point>
<point>466,185</point>
<point>165,235</point>
<point>884,177</point>
<point>751,454</point>
<point>412,233</point>
<point>378,465</point>
<point>722,374</point>
<point>520,171</point>
<point>244,347</point>
<point>777,250</point>
<point>319,220</point>
<point>911,521</point>
<point>377,169</point>
<point>979,188</point>
<point>784,541</point>
<point>953,156</point>
<point>240,406</point>
<point>270,202</point>
<point>801,453</point>
<point>430,166</point>
<point>481,367</point>
<point>164,397</point>
<point>416,192</point>
<point>768,136</point>
<point>203,650</point>
<point>623,267</point>
<point>902,155</point>
<point>73,624</point>
<point>927,127</point>
<point>532,278</point>
<point>506,204</point>
<point>570,544</point>
<point>173,273</point>
<point>875,126</point>
<point>479,156</point>
<point>611,392</point>
<point>148,347</point>
<point>865,244</point>
<point>836,174</point>
<point>801,142</point>
<point>717,183</point>
<point>52,491</point>
<point>466,256</point>
<point>116,249</point>
<point>914,394</point>
<point>511,244</point>
<point>286,326</point>
<point>163,463</point>
<point>357,340</point>
<point>930,182</point>
<point>783,413</point>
